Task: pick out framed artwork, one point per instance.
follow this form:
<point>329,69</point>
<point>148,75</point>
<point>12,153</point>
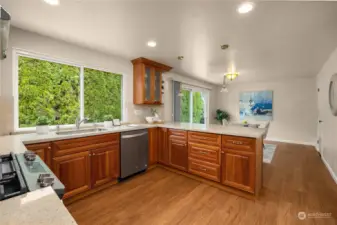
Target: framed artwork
<point>256,105</point>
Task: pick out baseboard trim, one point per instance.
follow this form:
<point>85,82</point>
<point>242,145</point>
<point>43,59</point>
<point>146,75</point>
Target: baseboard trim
<point>292,142</point>
<point>333,175</point>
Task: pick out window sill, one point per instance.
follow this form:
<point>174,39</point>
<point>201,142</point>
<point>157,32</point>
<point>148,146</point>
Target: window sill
<point>30,130</point>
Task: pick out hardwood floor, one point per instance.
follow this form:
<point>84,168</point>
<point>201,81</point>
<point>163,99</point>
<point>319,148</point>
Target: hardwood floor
<point>296,180</point>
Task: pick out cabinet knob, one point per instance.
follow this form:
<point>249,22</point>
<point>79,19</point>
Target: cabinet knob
<point>222,152</point>
<point>93,154</point>
<point>49,147</point>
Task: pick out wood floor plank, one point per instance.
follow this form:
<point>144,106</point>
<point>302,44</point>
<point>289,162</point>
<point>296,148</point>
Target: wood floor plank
<point>296,180</point>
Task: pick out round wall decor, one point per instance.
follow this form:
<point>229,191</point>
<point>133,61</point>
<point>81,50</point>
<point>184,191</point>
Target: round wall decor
<point>333,94</point>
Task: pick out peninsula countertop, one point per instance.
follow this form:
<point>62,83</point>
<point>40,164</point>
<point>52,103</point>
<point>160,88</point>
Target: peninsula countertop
<point>37,207</point>
<point>43,206</point>
<point>211,128</point>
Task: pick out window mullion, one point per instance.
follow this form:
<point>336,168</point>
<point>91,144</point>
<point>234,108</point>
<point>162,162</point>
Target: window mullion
<point>191,106</point>
<point>82,92</point>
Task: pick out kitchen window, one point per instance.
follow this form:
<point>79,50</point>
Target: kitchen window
<point>63,91</point>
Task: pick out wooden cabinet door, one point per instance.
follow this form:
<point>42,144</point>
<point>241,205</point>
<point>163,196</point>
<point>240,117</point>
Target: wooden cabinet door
<point>74,172</point>
<point>238,169</point>
<point>178,154</point>
<point>105,165</point>
<point>163,151</point>
<point>43,150</point>
<point>153,146</point>
<point>157,77</point>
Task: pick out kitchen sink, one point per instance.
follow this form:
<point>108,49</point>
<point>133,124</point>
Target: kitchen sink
<point>81,131</point>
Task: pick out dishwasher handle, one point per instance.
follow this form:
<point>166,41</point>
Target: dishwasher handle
<point>133,135</point>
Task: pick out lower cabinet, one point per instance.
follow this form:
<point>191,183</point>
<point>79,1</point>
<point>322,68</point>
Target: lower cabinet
<point>238,169</point>
<point>153,146</point>
<point>43,150</point>
<point>178,154</point>
<point>74,171</point>
<point>105,166</point>
<point>163,150</point>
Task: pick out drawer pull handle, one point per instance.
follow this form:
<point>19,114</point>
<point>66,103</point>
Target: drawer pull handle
<point>237,142</point>
<point>202,169</point>
<point>204,153</point>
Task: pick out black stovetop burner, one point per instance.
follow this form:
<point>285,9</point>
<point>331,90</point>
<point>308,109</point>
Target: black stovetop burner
<point>11,180</point>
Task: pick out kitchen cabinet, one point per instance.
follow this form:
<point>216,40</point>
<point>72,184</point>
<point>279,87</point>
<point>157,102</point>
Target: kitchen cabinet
<point>204,155</point>
<point>43,150</point>
<point>74,172</point>
<point>178,153</point>
<point>85,163</point>
<point>105,165</point>
<point>238,169</point>
<point>163,151</point>
<point>147,81</point>
<point>153,146</point>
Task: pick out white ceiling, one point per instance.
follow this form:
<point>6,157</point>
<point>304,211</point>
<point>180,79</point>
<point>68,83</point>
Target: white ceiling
<point>276,40</point>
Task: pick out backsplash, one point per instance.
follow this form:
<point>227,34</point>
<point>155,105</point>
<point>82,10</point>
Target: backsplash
<point>6,115</point>
<point>137,113</point>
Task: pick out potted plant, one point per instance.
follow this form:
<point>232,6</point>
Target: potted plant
<point>42,123</point>
<point>222,116</point>
<point>108,121</point>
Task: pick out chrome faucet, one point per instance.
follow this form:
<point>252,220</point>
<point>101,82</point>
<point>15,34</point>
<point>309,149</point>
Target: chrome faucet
<point>79,121</point>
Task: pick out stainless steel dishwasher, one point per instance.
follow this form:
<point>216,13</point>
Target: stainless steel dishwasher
<point>134,152</point>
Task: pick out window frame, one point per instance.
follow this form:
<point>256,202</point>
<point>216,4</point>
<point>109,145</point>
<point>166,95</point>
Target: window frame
<point>19,52</point>
<point>203,91</point>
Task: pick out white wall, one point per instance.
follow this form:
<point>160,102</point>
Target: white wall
<point>53,48</point>
<point>294,107</point>
<point>327,129</point>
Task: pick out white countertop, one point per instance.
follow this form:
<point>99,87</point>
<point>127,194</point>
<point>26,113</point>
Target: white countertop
<point>218,129</point>
<point>52,136</point>
<point>43,206</point>
<point>35,208</point>
<point>211,128</point>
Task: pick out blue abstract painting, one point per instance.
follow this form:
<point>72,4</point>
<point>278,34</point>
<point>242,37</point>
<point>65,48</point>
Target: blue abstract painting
<point>256,105</point>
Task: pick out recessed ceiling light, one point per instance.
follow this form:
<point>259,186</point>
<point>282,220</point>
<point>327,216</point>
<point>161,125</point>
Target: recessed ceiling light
<point>245,7</point>
<point>52,2</point>
<point>152,44</point>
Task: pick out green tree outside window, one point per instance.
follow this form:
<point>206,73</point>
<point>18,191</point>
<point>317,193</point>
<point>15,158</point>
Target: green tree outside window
<point>53,90</point>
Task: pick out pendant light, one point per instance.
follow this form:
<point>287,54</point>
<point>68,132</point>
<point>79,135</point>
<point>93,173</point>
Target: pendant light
<point>224,86</point>
<point>231,76</point>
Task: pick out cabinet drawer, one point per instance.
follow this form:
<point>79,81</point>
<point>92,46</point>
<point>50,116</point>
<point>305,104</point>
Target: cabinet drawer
<point>204,153</point>
<point>238,143</point>
<point>177,134</point>
<point>204,138</point>
<point>206,170</point>
<point>76,145</point>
